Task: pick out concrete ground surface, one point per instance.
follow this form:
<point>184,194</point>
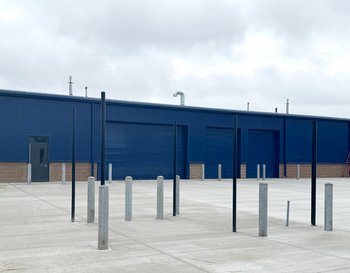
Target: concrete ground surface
<point>37,235</point>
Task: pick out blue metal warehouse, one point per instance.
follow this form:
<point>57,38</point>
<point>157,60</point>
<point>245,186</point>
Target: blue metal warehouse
<point>37,128</point>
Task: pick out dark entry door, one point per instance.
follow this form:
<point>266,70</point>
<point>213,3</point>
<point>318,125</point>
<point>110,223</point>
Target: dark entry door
<point>40,163</point>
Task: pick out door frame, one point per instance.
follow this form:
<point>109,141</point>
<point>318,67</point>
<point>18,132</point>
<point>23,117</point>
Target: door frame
<point>44,139</point>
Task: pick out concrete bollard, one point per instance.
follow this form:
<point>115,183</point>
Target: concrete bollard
<point>103,210</point>
<point>160,197</point>
<point>328,207</point>
<point>219,172</point>
<point>263,209</point>
<point>29,173</point>
<point>177,194</point>
<point>258,171</point>
<point>203,172</point>
<point>110,173</point>
<point>128,198</point>
<point>287,219</point>
<point>264,171</point>
<point>91,200</point>
<point>63,173</point>
<point>298,172</point>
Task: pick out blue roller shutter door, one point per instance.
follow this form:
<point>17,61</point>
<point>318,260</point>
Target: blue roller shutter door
<point>219,150</point>
<point>144,151</point>
<point>263,149</point>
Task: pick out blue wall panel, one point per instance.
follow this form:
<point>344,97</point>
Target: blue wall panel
<point>8,132</point>
<point>299,141</point>
<point>144,151</point>
<point>219,150</point>
<point>263,148</point>
<point>332,142</point>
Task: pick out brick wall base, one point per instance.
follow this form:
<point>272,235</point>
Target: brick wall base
<point>17,171</point>
<point>196,171</point>
<point>13,172</point>
<point>82,171</point>
<point>322,170</point>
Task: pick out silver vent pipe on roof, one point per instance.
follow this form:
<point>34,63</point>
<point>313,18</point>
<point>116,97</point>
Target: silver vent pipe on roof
<point>70,86</point>
<point>182,100</point>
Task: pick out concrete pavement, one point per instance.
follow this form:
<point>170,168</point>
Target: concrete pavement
<point>36,234</point>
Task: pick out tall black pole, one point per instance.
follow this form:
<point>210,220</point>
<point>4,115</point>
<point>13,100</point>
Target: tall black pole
<point>174,180</point>
<point>235,168</point>
<point>73,166</point>
<point>103,137</point>
<point>313,173</point>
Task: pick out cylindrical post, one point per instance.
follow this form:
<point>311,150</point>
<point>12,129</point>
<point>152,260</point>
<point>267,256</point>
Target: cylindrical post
<point>328,207</point>
<point>103,217</point>
<point>103,137</point>
<point>128,198</point>
<point>263,209</point>
<point>110,173</point>
<point>73,165</point>
<point>178,194</point>
<point>287,219</point>
<point>264,171</point>
<point>313,173</point>
<point>234,172</point>
<point>203,172</point>
<point>91,200</point>
<point>298,172</point>
<point>160,197</point>
<point>219,172</point>
<point>175,168</point>
<point>258,171</point>
<point>63,173</point>
<point>29,173</point>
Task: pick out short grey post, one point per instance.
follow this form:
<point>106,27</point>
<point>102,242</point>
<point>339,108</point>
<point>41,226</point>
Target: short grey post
<point>29,173</point>
<point>264,172</point>
<point>128,198</point>
<point>91,200</point>
<point>219,172</point>
<point>258,171</point>
<point>287,219</point>
<point>178,194</point>
<point>203,172</point>
<point>298,172</point>
<point>263,209</point>
<point>328,207</point>
<point>160,197</point>
<point>110,173</point>
<point>103,217</point>
<point>63,173</point>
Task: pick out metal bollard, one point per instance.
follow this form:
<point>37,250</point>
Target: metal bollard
<point>110,173</point>
<point>128,198</point>
<point>298,172</point>
<point>287,219</point>
<point>328,207</point>
<point>91,200</point>
<point>258,171</point>
<point>103,210</point>
<point>203,172</point>
<point>160,197</point>
<point>177,194</point>
<point>29,173</point>
<point>219,172</point>
<point>63,173</point>
<point>263,209</point>
<point>264,171</point>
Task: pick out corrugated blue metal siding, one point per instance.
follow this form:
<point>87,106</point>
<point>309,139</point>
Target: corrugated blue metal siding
<point>263,149</point>
<point>144,151</point>
<point>219,150</point>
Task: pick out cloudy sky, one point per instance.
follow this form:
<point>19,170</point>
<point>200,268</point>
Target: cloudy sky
<point>220,53</point>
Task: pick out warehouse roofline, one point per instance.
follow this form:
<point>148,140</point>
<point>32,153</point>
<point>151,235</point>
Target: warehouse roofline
<point>48,96</point>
